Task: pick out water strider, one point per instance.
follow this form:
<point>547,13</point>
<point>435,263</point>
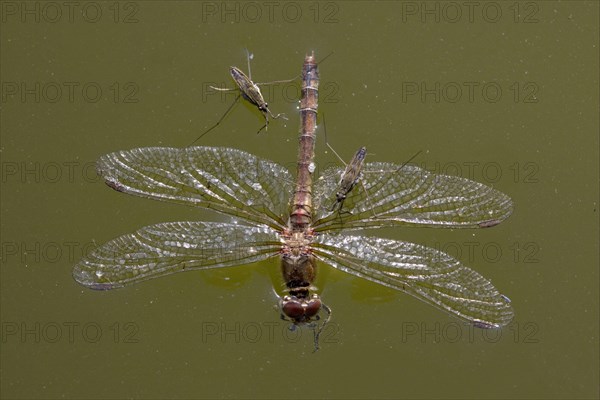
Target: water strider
<point>352,172</point>
<point>349,177</point>
<point>249,91</point>
<point>276,217</point>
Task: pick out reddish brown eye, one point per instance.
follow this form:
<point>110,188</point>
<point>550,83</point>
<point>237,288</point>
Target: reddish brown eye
<point>312,308</point>
<point>293,309</point>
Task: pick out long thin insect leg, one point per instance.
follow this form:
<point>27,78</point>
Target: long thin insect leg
<point>266,114</point>
<point>265,126</point>
<point>327,142</point>
<point>275,82</point>
<point>294,78</point>
<point>289,80</point>
<point>409,160</point>
<point>219,121</point>
<point>280,115</point>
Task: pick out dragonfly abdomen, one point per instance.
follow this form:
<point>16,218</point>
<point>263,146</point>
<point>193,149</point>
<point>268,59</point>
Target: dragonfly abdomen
<point>301,216</point>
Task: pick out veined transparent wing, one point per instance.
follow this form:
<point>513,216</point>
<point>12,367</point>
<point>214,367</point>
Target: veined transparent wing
<point>408,195</point>
<point>428,274</point>
<point>226,180</point>
<point>166,248</point>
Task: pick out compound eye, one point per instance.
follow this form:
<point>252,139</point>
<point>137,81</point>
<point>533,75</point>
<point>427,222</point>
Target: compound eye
<point>292,308</point>
<point>312,307</point>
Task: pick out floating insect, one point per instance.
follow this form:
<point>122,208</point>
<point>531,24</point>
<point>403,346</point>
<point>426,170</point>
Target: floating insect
<point>250,91</point>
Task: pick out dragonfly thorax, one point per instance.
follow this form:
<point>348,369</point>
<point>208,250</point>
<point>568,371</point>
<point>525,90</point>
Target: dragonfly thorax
<point>296,243</point>
<point>298,264</point>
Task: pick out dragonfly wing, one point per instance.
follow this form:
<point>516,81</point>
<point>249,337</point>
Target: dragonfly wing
<point>226,180</point>
<point>166,248</point>
<point>427,274</point>
<point>389,194</point>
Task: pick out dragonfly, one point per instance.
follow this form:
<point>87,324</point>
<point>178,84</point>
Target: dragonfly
<point>277,216</point>
<point>250,91</point>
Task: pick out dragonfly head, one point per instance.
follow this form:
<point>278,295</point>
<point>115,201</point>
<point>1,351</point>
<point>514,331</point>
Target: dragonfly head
<point>299,309</point>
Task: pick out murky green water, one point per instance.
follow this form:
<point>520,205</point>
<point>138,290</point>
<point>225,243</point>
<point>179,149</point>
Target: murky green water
<point>504,93</point>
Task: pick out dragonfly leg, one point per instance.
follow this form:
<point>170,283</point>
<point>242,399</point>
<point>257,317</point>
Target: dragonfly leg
<point>322,327</point>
